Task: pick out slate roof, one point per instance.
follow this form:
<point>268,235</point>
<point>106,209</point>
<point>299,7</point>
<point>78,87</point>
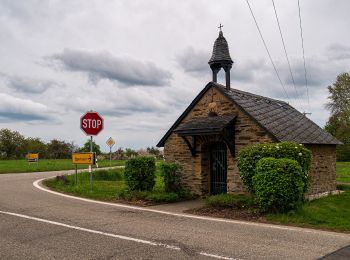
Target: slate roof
<point>221,52</point>
<point>206,125</point>
<point>278,118</point>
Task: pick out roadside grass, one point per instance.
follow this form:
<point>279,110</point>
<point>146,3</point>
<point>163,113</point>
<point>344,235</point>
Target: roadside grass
<point>105,184</point>
<point>331,212</point>
<point>343,172</point>
<point>109,185</point>
<point>18,166</point>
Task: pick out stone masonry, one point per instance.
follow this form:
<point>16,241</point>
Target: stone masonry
<point>196,169</point>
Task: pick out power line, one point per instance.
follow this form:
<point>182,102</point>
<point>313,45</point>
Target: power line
<point>302,45</point>
<point>285,49</point>
<point>267,50</point>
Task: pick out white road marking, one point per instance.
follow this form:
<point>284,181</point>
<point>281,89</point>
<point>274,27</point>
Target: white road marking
<point>136,240</point>
<point>183,215</point>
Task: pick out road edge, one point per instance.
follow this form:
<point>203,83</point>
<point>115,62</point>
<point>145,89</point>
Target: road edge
<point>38,184</point>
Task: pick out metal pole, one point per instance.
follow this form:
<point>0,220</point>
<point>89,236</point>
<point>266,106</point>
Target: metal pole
<point>110,156</point>
<point>76,174</point>
<point>90,167</point>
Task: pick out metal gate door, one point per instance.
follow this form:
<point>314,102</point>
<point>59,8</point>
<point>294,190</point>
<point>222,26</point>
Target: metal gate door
<point>218,165</point>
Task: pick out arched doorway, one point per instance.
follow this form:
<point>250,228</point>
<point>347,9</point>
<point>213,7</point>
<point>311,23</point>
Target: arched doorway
<point>218,168</point>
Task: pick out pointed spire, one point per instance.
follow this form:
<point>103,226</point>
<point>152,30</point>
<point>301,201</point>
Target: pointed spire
<point>221,58</point>
<point>220,50</point>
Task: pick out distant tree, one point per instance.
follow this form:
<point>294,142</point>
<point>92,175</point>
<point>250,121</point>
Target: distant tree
<point>339,121</point>
<point>57,149</point>
<point>130,153</point>
<point>36,145</point>
<point>153,150</point>
<point>12,144</point>
<point>95,147</point>
<point>119,154</point>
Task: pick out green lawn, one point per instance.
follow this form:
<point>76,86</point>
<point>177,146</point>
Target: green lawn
<point>331,212</point>
<point>106,184</point>
<point>16,166</point>
<point>109,185</point>
<point>343,172</point>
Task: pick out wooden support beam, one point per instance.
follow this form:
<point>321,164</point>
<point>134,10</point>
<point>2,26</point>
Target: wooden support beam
<point>191,145</point>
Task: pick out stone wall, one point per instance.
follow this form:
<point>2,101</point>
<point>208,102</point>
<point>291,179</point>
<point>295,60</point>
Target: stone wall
<point>322,175</point>
<point>196,169</point>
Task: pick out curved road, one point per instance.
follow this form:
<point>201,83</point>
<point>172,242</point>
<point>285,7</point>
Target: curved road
<point>36,224</point>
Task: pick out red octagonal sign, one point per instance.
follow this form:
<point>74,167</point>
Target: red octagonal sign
<point>91,123</point>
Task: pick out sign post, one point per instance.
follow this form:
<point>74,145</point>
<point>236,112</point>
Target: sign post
<point>91,123</point>
<point>32,157</point>
<point>110,142</point>
<point>82,158</point>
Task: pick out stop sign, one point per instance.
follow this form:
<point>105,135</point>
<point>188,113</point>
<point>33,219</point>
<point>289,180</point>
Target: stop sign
<point>91,123</point>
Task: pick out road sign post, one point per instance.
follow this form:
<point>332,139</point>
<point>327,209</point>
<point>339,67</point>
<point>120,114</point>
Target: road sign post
<point>32,157</point>
<point>110,142</point>
<point>91,123</point>
<point>82,158</point>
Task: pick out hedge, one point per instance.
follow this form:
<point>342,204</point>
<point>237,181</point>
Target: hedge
<point>140,173</point>
<point>279,184</point>
<point>249,157</point>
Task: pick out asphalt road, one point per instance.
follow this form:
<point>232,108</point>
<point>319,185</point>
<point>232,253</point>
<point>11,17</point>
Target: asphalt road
<point>35,224</point>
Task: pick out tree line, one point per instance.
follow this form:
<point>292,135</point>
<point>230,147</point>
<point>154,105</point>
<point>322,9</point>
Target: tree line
<point>14,145</point>
<point>339,121</point>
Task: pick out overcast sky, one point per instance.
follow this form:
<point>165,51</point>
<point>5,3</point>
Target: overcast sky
<point>140,63</point>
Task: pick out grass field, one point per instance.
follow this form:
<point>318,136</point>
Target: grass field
<point>16,166</point>
<point>331,212</point>
<point>343,172</point>
<point>109,185</point>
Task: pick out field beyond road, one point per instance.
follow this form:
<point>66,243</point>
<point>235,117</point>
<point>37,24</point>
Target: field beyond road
<point>343,172</point>
<point>17,166</point>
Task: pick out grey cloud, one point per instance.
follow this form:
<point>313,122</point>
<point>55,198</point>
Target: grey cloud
<point>103,65</point>
<point>318,72</point>
<point>194,61</point>
<point>28,85</point>
<point>18,109</point>
<point>338,51</point>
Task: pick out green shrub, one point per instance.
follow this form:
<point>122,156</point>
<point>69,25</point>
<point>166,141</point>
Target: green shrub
<point>230,201</point>
<point>249,157</point>
<point>140,173</point>
<point>171,173</point>
<point>279,184</point>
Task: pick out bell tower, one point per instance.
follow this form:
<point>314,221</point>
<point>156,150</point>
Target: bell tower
<point>221,58</point>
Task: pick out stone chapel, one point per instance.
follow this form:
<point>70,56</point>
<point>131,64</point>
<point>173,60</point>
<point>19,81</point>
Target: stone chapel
<point>222,120</point>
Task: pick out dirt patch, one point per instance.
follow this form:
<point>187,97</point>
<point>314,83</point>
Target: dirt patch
<point>229,213</point>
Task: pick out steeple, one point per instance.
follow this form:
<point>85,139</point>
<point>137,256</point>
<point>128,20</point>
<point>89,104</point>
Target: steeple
<point>221,58</point>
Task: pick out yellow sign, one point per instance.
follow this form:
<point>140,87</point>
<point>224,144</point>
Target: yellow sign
<point>83,158</point>
<point>32,157</point>
<point>110,142</point>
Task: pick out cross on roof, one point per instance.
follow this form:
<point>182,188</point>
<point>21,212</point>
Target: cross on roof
<point>220,26</point>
